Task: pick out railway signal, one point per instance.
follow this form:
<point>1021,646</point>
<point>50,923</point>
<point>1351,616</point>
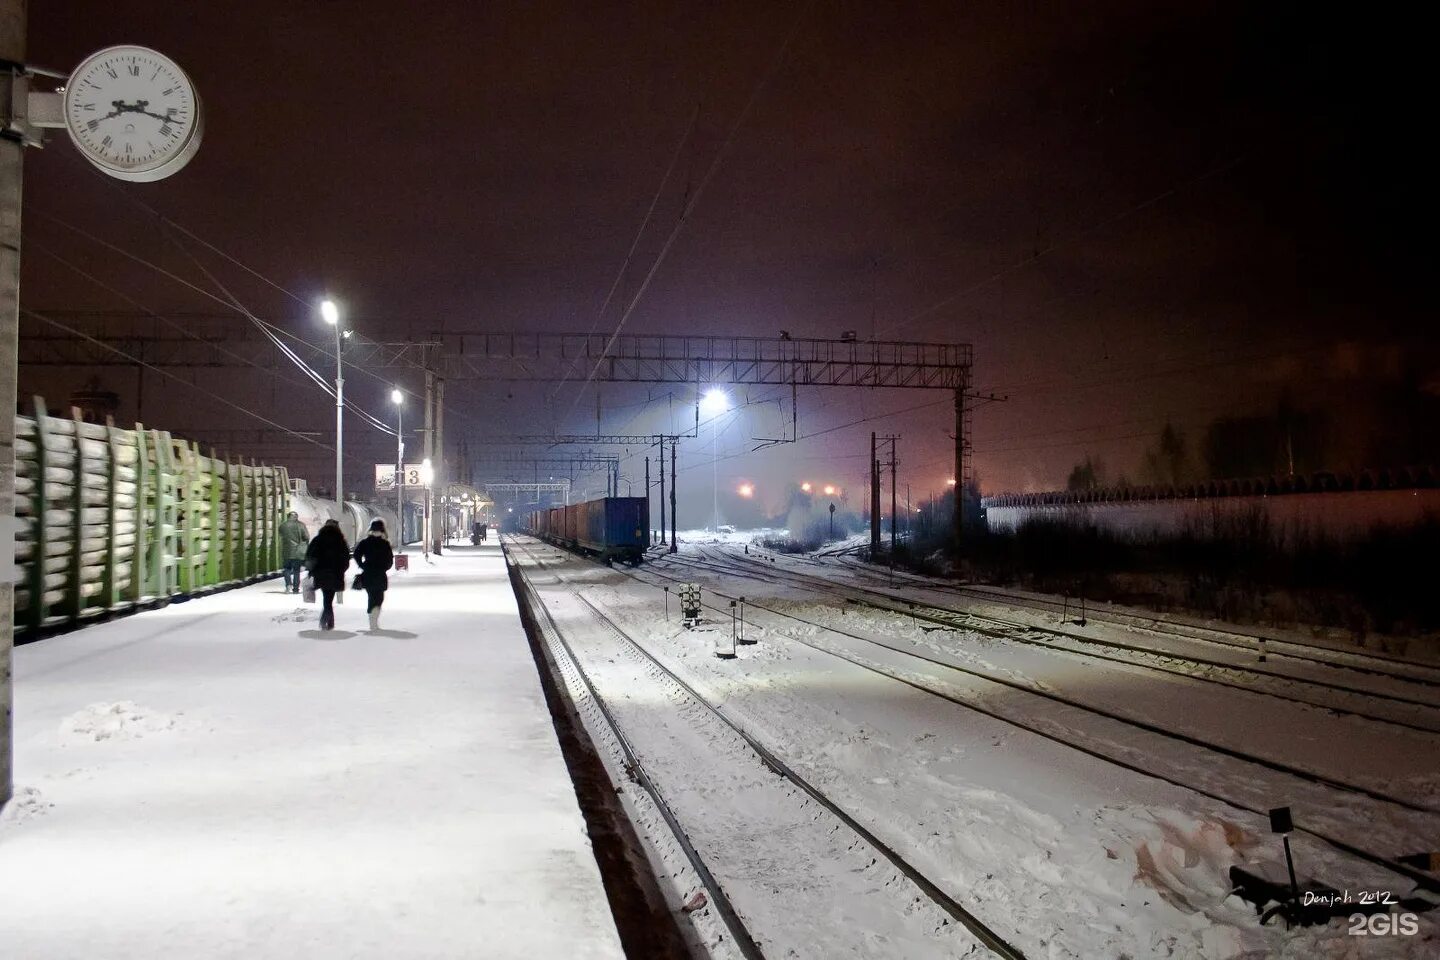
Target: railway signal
<point>689,604</point>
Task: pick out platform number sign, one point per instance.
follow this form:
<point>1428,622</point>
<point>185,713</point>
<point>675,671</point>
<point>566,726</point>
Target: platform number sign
<point>385,476</point>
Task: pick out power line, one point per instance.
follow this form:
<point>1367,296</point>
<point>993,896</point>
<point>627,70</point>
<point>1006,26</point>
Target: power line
<point>167,222</point>
<point>179,327</point>
<point>165,373</point>
<point>842,426</point>
<point>269,327</point>
<point>630,254</point>
<point>694,199</point>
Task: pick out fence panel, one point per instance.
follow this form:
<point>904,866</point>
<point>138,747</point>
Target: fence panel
<point>110,518</point>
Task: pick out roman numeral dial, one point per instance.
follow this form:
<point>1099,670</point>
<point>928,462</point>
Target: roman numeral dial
<point>133,113</point>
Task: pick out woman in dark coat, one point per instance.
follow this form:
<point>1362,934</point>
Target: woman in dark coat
<point>327,558</point>
<point>374,556</point>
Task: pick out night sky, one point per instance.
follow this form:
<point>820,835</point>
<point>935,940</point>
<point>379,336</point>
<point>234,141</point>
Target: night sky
<point>1135,211</point>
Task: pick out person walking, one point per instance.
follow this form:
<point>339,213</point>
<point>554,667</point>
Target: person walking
<point>327,558</point>
<point>294,540</point>
<point>374,557</point>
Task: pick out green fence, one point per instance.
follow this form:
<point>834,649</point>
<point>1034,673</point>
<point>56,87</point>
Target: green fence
<point>109,518</point>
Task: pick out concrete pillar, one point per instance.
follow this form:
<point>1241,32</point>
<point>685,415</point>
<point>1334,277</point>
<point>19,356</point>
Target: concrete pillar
<point>442,477</point>
<point>12,48</point>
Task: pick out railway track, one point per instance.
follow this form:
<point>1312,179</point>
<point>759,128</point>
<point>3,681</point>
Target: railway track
<point>601,716</point>
<point>1277,648</point>
<point>1421,878</point>
<point>747,941</point>
<point>1408,711</point>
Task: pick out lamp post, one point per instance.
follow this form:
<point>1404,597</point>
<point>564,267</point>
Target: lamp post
<point>715,403</point>
<point>398,398</point>
<point>331,315</point>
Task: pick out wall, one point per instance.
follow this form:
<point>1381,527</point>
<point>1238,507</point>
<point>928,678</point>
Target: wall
<point>1340,514</point>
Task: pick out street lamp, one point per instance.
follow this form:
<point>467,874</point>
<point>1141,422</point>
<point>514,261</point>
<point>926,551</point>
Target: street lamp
<point>331,315</point>
<point>715,403</point>
<point>398,398</point>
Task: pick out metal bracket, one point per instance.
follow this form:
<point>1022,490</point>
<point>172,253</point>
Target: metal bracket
<point>29,112</point>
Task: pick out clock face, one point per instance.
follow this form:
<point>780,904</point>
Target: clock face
<point>133,113</point>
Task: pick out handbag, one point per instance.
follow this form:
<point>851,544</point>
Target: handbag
<point>307,589</point>
<point>358,583</point>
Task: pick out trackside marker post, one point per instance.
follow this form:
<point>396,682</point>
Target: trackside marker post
<point>742,623</point>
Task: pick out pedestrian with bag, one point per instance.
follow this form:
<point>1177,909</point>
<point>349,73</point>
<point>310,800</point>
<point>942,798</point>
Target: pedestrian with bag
<point>294,541</point>
<point>374,557</point>
<point>327,559</point>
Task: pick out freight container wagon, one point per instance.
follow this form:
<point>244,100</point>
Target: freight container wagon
<point>612,528</point>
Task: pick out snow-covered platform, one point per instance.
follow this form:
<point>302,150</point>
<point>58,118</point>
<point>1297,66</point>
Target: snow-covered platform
<point>219,778</point>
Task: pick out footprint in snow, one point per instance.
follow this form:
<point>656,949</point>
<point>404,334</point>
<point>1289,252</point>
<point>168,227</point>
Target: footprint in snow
<point>298,615</point>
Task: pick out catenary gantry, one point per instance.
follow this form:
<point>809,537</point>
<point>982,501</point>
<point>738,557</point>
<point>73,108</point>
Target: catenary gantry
<point>545,357</point>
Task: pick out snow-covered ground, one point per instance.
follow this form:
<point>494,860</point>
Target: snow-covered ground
<point>1067,854</point>
<point>803,884</point>
<point>221,779</point>
<point>1377,756</point>
<point>728,535</point>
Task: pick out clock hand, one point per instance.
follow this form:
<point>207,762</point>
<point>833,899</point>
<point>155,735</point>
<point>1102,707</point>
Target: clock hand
<point>139,107</point>
<point>119,106</point>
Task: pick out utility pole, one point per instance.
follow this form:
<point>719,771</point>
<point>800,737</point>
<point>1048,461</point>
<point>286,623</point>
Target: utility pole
<point>874,498</point>
<point>662,492</point>
<point>958,521</point>
<point>909,514</point>
<point>674,482</point>
<point>649,530</point>
<point>442,479</point>
<point>430,458</point>
<point>12,151</point>
<point>400,470</point>
<point>893,497</point>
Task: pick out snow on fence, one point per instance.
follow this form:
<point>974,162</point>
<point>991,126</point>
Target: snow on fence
<point>108,518</point>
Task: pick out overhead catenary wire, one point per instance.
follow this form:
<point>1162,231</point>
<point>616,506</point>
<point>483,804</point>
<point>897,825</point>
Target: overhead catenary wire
<point>316,447</point>
<point>131,198</point>
<point>264,328</point>
<point>630,254</point>
<point>36,315</point>
<point>694,199</point>
<point>268,329</point>
<point>827,430</point>
<point>272,331</point>
<point>178,327</point>
<point>316,378</point>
